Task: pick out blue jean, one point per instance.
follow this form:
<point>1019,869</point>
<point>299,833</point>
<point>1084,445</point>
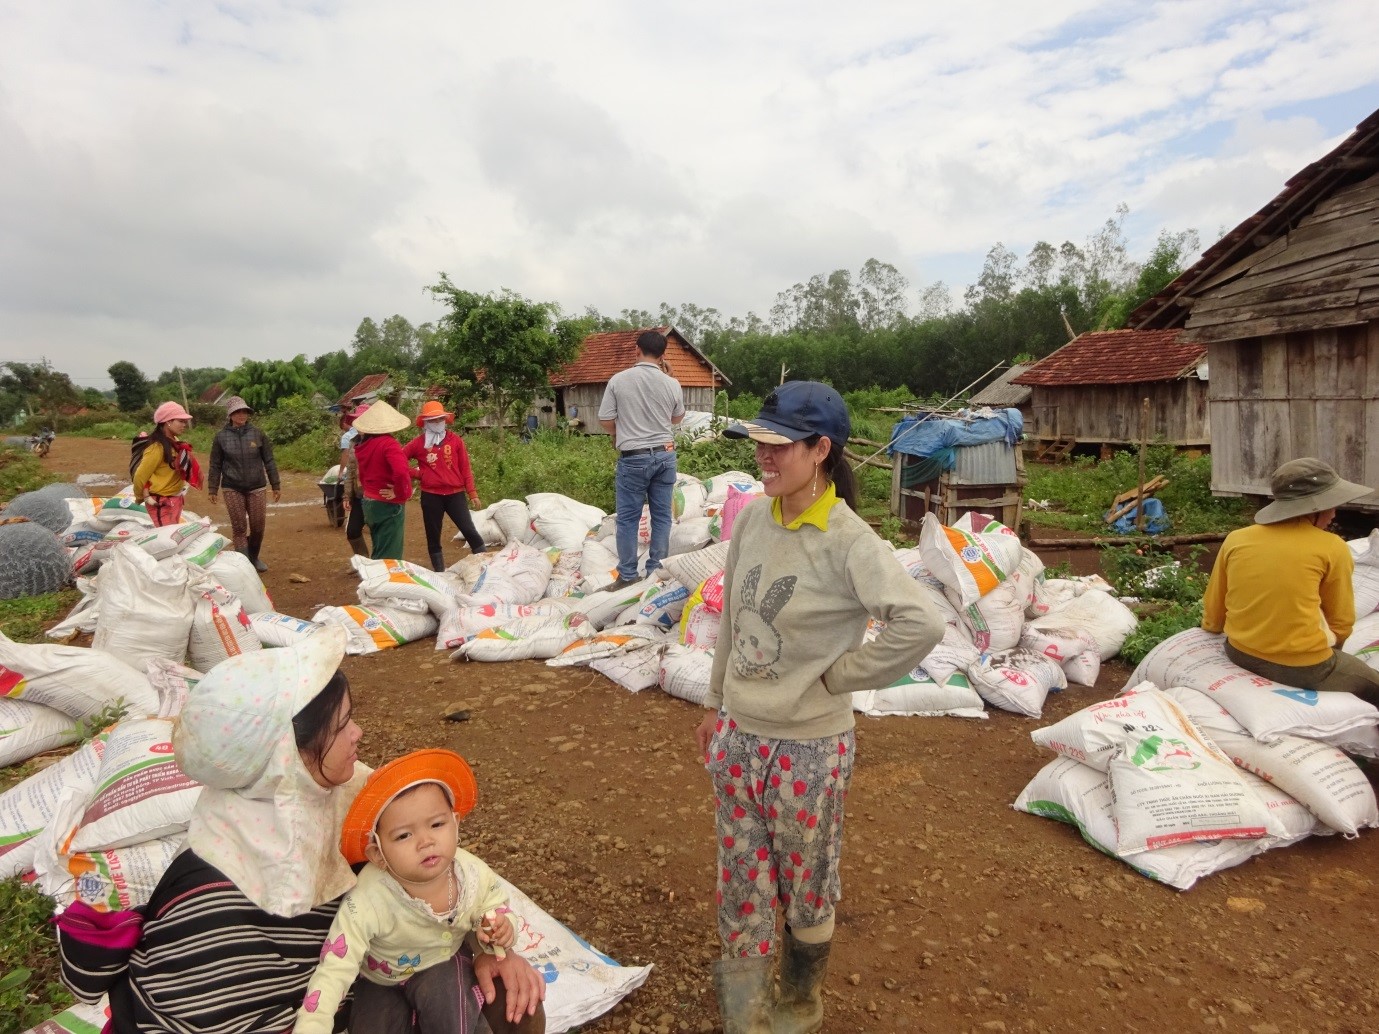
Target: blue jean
<point>644,478</point>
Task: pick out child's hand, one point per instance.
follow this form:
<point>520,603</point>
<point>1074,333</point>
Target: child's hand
<point>497,930</point>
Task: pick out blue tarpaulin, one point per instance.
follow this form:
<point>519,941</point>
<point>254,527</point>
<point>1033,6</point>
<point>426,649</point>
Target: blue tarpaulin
<point>915,436</point>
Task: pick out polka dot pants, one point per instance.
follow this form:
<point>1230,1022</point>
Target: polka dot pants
<point>779,823</point>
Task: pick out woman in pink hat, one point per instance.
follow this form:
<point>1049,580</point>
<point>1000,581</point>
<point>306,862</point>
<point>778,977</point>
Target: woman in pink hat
<point>161,465</point>
<point>447,481</point>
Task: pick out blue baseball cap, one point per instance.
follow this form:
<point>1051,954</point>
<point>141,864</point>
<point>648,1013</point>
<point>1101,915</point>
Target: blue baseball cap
<point>795,411</point>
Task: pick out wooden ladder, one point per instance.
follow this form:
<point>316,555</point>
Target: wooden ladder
<point>1059,449</point>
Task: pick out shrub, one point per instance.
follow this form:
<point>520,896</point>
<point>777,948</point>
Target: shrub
<point>29,987</point>
<point>24,619</point>
<point>21,471</point>
<point>293,418</point>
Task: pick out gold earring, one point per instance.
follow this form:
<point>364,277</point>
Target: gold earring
<point>814,492</point>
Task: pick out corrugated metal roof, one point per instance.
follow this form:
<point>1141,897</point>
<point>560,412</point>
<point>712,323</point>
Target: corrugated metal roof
<point>991,463</point>
<point>1001,392</point>
<point>603,355</point>
<point>1351,161</point>
<point>1118,357</point>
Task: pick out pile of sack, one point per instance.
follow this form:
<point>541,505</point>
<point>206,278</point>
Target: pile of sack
<point>543,592</point>
<point>1199,765</point>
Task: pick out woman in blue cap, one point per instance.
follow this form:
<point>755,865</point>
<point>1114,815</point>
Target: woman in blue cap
<point>803,577</point>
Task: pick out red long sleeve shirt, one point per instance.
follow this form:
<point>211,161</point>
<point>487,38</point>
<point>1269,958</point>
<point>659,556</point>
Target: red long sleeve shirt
<point>445,469</point>
<point>382,465</point>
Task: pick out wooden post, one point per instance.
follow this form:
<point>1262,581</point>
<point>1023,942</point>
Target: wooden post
<point>1144,440</point>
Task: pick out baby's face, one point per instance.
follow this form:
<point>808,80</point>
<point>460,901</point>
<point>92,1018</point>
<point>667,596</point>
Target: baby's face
<point>417,834</point>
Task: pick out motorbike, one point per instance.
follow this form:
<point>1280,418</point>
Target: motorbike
<point>40,443</point>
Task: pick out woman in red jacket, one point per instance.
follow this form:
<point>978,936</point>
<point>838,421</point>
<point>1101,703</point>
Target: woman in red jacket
<point>384,479</point>
<point>447,482</point>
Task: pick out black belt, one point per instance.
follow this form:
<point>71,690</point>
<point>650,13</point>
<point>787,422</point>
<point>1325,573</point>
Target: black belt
<point>646,452</point>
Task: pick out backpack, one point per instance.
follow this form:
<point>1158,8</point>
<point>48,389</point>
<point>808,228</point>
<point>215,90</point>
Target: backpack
<point>141,441</point>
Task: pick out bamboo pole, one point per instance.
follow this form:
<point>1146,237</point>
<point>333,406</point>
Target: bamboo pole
<point>1127,540</point>
<point>1144,443</point>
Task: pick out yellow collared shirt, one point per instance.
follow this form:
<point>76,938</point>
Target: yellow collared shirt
<point>816,514</point>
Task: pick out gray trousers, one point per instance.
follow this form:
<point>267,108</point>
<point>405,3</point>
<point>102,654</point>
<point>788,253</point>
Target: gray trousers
<point>1342,673</point>
<point>441,1000</point>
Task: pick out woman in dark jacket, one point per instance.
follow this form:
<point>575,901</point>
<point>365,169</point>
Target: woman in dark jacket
<point>242,464</point>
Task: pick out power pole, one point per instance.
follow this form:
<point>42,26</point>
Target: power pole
<point>183,383</point>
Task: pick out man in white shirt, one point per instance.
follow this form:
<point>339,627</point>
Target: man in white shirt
<point>640,407</point>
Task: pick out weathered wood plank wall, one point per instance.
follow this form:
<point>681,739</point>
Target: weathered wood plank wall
<point>1095,413</point>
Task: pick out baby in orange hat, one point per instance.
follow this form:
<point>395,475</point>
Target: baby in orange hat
<point>422,937</point>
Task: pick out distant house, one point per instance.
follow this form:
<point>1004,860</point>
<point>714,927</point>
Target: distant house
<point>578,387</point>
<point>212,396</point>
<point>1091,391</point>
<point>1287,307</point>
<point>1002,394</point>
<point>370,388</point>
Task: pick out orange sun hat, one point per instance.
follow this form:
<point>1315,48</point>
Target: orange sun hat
<point>432,411</point>
<point>444,767</point>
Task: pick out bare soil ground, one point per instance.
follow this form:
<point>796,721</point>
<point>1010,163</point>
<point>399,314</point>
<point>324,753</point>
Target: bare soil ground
<point>959,914</point>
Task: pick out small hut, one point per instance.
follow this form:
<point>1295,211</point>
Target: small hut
<point>1092,390</point>
<point>1003,394</point>
<point>952,464</point>
<point>578,387</point>
<point>1287,307</point>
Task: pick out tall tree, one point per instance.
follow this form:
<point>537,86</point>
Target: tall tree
<point>131,386</point>
<point>35,388</point>
<point>506,342</point>
<point>263,384</point>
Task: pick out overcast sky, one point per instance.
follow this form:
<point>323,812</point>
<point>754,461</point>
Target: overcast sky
<point>188,184</point>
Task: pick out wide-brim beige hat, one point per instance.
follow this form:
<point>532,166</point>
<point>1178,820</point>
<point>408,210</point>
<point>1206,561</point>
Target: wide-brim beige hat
<point>381,418</point>
<point>1306,486</point>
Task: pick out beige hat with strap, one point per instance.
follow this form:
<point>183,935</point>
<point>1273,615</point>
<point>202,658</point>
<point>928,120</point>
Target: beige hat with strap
<point>381,418</point>
<point>1305,486</point>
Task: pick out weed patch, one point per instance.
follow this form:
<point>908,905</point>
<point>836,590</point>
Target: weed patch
<point>22,619</point>
<point>21,471</point>
<point>30,990</point>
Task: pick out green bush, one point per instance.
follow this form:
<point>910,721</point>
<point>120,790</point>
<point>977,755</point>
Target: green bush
<point>1154,628</point>
<point>1153,576</point>
<point>296,417</point>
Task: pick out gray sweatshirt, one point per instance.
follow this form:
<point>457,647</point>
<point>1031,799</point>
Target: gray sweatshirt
<point>795,607</point>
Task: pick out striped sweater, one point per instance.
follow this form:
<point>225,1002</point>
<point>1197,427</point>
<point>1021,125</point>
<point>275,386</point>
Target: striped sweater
<point>209,961</point>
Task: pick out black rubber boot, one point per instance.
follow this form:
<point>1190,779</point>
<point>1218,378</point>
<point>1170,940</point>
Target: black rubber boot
<point>252,551</point>
<point>357,544</point>
<point>438,560</point>
<point>744,994</point>
<point>800,1009</point>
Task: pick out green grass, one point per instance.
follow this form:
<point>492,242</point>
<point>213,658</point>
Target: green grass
<point>21,471</point>
<point>30,990</point>
<point>22,619</point>
<point>1082,491</point>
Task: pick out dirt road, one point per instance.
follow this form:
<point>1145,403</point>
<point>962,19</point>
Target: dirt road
<point>959,914</point>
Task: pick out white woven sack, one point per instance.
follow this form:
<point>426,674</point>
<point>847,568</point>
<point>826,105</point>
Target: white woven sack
<point>660,605</point>
<point>274,629</point>
<point>1320,777</point>
<point>486,526</point>
<point>145,609</point>
<point>514,520</point>
<point>633,670</point>
<point>716,488</point>
<point>370,629</point>
<point>235,571</point>
<point>1083,669</point>
<point>1169,788</point>
<point>994,622</point>
<point>173,683</point>
<point>77,681</point>
<point>693,568</point>
<point>603,607</point>
<point>686,672</point>
<point>28,729</point>
<point>1197,659</point>
<point>170,538</point>
<point>517,573</point>
<point>82,616</point>
<point>1052,593</point>
<point>1099,614</point>
<point>917,695</point>
<point>204,548</point>
<point>220,629</point>
<point>689,498</point>
<point>1074,793</point>
<point>1365,579</point>
<point>535,638</point>
<point>460,624</point>
<point>954,653</point>
<point>140,793</point>
<point>107,881</point>
<point>1017,680</point>
<point>599,565</point>
<point>26,809</point>
<point>385,580</point>
<point>565,573</point>
<point>610,643</point>
<point>562,521</point>
<point>1093,734</point>
<point>690,534</point>
<point>1363,640</point>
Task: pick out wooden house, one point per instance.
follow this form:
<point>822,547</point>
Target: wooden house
<point>1287,307</point>
<point>1091,391</point>
<point>1002,394</point>
<point>578,387</point>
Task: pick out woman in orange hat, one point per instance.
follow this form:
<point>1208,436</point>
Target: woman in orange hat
<point>161,465</point>
<point>426,922</point>
<point>447,481</point>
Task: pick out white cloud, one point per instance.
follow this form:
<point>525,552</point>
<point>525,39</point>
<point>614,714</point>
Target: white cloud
<point>252,178</point>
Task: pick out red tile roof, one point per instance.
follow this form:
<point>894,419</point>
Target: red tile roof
<point>372,382</point>
<point>1117,357</point>
<point>603,355</point>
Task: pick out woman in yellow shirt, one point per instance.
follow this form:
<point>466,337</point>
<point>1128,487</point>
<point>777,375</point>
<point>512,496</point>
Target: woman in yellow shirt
<point>162,465</point>
<point>1281,589</point>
